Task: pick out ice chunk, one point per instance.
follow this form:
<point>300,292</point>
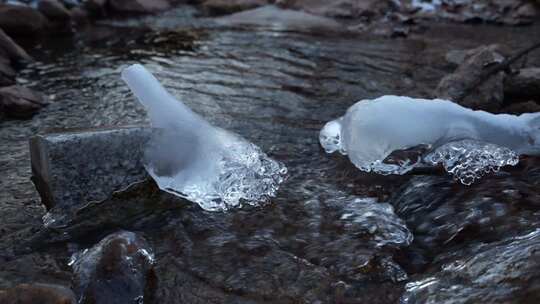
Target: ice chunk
<point>189,157</point>
<point>467,143</point>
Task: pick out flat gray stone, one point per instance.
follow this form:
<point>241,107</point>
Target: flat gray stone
<point>72,168</point>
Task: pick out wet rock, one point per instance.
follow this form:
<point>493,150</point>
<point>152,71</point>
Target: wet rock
<point>445,216</point>
<point>67,181</point>
<point>115,270</point>
<point>139,6</point>
<point>224,7</point>
<point>20,102</point>
<point>500,272</point>
<point>488,96</point>
<point>340,8</point>
<point>95,7</point>
<point>54,10</point>
<point>273,16</point>
<point>522,107</point>
<point>21,20</point>
<point>37,293</point>
<point>11,50</point>
<point>7,73</point>
<point>523,84</point>
<point>516,12</point>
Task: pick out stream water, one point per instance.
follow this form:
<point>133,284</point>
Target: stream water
<point>332,234</point>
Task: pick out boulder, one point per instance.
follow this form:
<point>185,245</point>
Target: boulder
<point>224,7</point>
<point>20,102</point>
<point>66,181</point>
<point>113,271</point>
<point>37,293</point>
<point>21,20</point>
<point>10,49</point>
<point>523,84</point>
<point>139,6</point>
<point>488,96</point>
<point>54,10</point>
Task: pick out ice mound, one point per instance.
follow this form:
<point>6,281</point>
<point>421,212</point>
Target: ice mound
<point>468,144</point>
<point>189,157</point>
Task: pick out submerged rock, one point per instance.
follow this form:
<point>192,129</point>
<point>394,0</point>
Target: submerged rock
<point>20,102</point>
<point>37,293</point>
<point>116,270</point>
<point>273,16</point>
<point>499,272</point>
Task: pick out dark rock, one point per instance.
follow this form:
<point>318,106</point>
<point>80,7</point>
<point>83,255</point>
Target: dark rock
<point>54,10</point>
<point>516,12</point>
<point>115,270</point>
<point>7,73</point>
<point>139,6</point>
<point>224,7</point>
<point>446,216</point>
<point>65,180</point>
<point>37,293</point>
<point>502,272</point>
<point>339,8</point>
<point>488,96</point>
<point>524,84</point>
<point>79,16</point>
<point>522,107</point>
<point>21,20</point>
<point>95,7</point>
<point>10,49</point>
<point>20,102</point>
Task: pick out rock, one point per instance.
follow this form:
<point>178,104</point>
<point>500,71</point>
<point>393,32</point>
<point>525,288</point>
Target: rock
<point>7,73</point>
<point>522,107</point>
<point>115,270</point>
<point>339,8</point>
<point>524,84</point>
<point>224,7</point>
<point>500,272</point>
<point>139,6</point>
<point>95,7</point>
<point>457,57</point>
<point>37,293</point>
<point>79,15</point>
<point>489,95</point>
<point>115,155</point>
<point>10,49</point>
<point>271,15</point>
<point>53,10</point>
<point>21,20</point>
<point>20,102</point>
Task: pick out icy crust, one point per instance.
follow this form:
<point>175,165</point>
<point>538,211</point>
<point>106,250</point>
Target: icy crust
<point>189,157</point>
<point>395,134</point>
<point>469,160</point>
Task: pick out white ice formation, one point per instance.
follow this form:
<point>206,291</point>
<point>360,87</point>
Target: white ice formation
<point>189,157</point>
<point>467,143</point>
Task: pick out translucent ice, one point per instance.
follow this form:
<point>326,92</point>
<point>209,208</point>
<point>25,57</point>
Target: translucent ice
<point>467,143</point>
<point>189,157</point>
